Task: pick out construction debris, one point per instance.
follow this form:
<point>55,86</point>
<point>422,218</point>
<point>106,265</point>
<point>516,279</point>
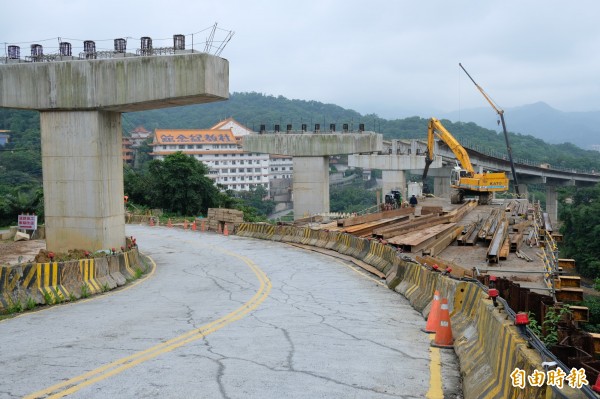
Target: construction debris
<point>219,217</point>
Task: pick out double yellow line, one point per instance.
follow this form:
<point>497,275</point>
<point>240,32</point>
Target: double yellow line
<point>118,366</point>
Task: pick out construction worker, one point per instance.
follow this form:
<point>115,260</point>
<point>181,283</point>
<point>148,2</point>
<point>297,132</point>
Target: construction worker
<point>413,201</point>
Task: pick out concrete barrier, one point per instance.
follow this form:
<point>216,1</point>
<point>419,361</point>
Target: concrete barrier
<point>55,282</point>
<point>487,344</point>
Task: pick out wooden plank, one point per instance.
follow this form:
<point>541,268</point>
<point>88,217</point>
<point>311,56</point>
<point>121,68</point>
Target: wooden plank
<point>421,239</point>
<point>443,242</point>
<point>415,225</point>
<point>380,232</point>
<point>375,216</point>
<point>569,294</point>
<point>567,263</point>
<point>366,229</point>
<point>570,281</point>
<point>580,313</point>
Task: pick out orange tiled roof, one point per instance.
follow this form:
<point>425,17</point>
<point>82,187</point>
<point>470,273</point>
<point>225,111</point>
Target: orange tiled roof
<point>176,136</point>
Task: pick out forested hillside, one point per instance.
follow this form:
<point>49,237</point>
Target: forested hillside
<point>20,163</point>
<point>255,109</point>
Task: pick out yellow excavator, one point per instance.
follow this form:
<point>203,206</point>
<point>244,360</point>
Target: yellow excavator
<point>464,181</point>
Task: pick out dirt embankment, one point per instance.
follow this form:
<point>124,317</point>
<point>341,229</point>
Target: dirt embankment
<point>14,252</point>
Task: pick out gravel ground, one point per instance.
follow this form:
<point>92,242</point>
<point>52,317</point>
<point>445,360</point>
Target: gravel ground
<point>11,251</point>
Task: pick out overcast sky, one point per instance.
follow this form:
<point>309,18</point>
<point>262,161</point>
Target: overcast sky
<point>395,58</point>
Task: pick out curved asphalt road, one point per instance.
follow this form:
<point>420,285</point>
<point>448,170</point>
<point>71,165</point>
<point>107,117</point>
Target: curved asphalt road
<point>228,317</point>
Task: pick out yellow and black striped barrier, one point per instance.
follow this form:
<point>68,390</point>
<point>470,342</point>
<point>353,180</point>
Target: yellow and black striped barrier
<point>55,282</point>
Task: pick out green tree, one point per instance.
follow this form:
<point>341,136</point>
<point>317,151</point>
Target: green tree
<point>176,184</point>
<point>581,229</point>
<point>353,198</point>
<point>256,198</point>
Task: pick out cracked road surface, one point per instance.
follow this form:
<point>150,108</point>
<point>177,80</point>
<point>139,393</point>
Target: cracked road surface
<point>227,317</point>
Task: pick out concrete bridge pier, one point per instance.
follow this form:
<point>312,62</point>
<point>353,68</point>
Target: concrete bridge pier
<point>394,180</point>
<point>310,153</point>
<point>441,187</point>
<point>80,104</point>
<point>310,185</point>
<point>552,203</point>
<point>83,179</point>
<point>523,192</point>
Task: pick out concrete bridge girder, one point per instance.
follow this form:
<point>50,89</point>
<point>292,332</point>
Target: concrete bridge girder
<point>393,167</point>
<point>81,103</point>
<point>392,162</point>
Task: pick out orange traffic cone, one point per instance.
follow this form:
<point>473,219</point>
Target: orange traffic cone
<point>169,224</point>
<point>225,231</point>
<point>185,224</point>
<point>443,335</point>
<point>194,226</point>
<point>152,222</point>
<point>433,320</point>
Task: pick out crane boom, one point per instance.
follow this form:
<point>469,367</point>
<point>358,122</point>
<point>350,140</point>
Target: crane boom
<point>500,112</point>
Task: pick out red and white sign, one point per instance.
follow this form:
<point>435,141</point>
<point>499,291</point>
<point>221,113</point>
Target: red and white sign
<point>28,222</point>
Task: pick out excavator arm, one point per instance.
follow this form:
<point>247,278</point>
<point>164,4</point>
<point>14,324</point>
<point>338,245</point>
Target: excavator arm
<point>434,128</point>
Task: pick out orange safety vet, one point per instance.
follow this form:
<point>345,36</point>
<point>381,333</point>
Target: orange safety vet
<point>443,335</point>
<point>433,320</point>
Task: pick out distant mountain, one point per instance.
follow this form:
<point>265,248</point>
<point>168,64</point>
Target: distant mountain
<point>539,120</point>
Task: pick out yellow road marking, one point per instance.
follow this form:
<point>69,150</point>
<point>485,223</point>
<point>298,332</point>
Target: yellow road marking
<point>435,373</point>
<point>435,363</point>
<point>118,366</point>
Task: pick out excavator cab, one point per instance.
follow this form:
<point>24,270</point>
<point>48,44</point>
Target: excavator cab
<point>456,174</point>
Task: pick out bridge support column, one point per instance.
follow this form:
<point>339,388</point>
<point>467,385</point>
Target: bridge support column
<point>394,180</point>
<point>310,185</point>
<point>552,203</point>
<point>83,180</point>
<point>441,187</point>
<point>523,192</point>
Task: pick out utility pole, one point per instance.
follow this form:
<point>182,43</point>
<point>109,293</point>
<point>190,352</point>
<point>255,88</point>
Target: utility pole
<point>500,112</point>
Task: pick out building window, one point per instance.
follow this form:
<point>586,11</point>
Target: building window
<point>181,147</point>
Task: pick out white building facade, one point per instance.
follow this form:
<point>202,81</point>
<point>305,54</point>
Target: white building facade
<point>281,167</point>
<point>220,151</point>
